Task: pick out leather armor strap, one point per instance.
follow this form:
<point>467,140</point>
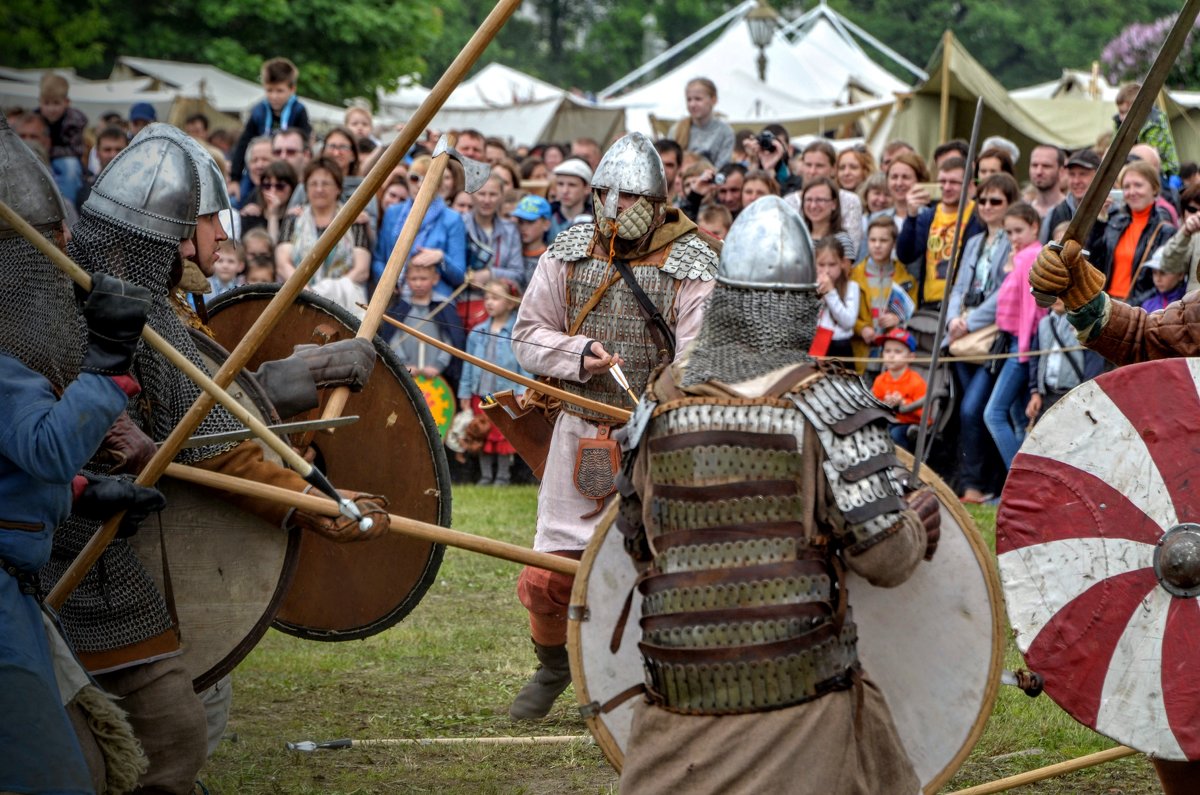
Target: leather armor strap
<point>657,325</point>
<point>685,441</point>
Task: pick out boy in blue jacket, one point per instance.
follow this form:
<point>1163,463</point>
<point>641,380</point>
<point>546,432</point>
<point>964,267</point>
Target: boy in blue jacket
<point>281,110</point>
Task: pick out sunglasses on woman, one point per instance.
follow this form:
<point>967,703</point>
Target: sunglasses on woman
<point>274,186</point>
<point>992,201</point>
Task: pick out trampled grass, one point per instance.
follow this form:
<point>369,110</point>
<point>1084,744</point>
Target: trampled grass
<point>451,668</point>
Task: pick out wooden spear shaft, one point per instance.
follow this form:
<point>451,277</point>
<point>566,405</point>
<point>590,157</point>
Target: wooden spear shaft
<point>240,356</point>
<point>1042,773</point>
<point>96,545</point>
<point>367,329</point>
<point>594,405</point>
<point>398,524</point>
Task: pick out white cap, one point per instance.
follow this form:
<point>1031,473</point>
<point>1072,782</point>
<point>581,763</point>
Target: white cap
<point>574,167</point>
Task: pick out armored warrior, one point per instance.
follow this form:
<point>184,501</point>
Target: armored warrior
<point>628,289</point>
<point>65,380</point>
<point>156,204</point>
<point>754,478</point>
<point>1124,335</point>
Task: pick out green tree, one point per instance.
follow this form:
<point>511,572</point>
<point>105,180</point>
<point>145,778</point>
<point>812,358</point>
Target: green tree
<point>343,47</point>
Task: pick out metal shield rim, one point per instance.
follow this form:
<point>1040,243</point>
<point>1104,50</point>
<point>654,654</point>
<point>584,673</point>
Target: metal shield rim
<point>388,357</point>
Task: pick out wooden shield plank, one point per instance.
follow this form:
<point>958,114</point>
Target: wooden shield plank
<point>351,591</point>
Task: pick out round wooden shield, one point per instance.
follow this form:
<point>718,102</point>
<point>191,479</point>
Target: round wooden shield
<point>439,399</point>
<point>228,570</point>
<point>351,591</point>
<point>933,645</point>
<point>1087,536</point>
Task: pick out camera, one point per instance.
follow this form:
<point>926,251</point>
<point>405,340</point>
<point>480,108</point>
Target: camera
<point>766,140</point>
<point>719,179</point>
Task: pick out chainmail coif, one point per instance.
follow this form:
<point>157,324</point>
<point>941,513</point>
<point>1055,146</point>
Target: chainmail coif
<point>40,322</point>
<point>747,333</point>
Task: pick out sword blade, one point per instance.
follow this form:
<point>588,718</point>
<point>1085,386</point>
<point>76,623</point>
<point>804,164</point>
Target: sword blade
<point>282,429</point>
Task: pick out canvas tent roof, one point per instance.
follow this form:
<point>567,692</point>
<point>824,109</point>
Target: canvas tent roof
<point>1026,122</point>
<point>93,98</point>
<point>814,68</point>
<point>226,92</point>
<point>510,104</point>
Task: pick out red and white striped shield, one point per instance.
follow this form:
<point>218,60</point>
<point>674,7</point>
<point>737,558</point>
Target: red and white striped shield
<point>1099,559</point>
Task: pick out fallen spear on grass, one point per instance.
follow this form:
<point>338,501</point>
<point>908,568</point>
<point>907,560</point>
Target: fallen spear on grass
<point>309,746</point>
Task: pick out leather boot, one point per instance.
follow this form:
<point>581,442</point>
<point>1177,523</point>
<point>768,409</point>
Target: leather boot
<point>503,470</point>
<point>547,683</point>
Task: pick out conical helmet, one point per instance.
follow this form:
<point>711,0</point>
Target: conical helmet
<point>214,197</point>
<point>152,187</point>
<point>27,186</point>
<point>631,165</point>
<point>768,248</point>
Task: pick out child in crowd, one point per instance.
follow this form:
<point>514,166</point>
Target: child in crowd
<point>281,110</point>
<point>532,216</point>
<point>415,310</point>
<point>840,296</point>
<point>492,341</point>
<point>66,125</point>
<point>899,385</point>
<point>702,132</point>
<point>259,252</point>
<point>227,270</point>
<point>1057,373</point>
<point>1168,287</point>
<point>878,199</point>
<point>888,290</point>
<point>1017,314</point>
<point>715,219</point>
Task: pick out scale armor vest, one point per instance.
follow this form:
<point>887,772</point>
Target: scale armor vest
<point>742,609</point>
<point>616,322</point>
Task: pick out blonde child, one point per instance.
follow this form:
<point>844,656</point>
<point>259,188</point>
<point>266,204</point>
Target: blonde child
<point>491,340</point>
<point>702,132</point>
<point>899,385</point>
<point>227,270</point>
<point>715,219</point>
<point>839,295</point>
<point>66,126</point>
<point>879,276</point>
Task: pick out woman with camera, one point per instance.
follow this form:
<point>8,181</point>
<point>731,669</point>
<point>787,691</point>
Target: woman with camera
<point>972,308</point>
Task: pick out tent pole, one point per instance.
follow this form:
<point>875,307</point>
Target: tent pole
<point>944,116</point>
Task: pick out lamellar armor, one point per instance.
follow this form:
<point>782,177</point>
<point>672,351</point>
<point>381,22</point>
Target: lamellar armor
<point>616,320</point>
<point>743,607</point>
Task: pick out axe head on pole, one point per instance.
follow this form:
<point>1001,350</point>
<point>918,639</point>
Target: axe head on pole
<point>476,173</point>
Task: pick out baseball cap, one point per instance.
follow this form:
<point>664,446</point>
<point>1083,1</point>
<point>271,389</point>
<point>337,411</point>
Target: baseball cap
<point>531,208</point>
<point>142,111</point>
<point>899,335</point>
<point>574,167</point>
<point>1085,158</point>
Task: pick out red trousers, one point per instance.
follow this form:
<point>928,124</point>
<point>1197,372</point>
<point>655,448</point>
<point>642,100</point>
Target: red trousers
<point>546,595</point>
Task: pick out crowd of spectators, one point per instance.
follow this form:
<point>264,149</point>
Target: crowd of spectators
<point>883,231</point>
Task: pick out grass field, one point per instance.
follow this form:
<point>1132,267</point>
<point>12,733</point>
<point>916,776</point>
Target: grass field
<point>451,668</point>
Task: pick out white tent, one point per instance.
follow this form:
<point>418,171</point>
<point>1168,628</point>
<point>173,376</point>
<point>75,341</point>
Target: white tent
<point>93,98</point>
<point>509,104</point>
<point>821,71</point>
<point>223,91</point>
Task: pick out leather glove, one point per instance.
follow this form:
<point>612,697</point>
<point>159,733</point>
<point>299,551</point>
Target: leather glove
<point>104,496</point>
<point>341,529</point>
<point>925,505</point>
<point>1067,274</point>
<point>342,363</point>
<point>126,448</point>
<point>115,312</point>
